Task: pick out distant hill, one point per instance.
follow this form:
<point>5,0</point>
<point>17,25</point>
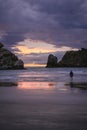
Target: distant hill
<point>8,60</point>
<point>70,59</point>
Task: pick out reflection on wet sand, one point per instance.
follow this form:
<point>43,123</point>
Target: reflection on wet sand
<point>82,86</point>
<point>51,86</point>
<point>8,84</point>
<point>37,85</point>
<point>60,86</point>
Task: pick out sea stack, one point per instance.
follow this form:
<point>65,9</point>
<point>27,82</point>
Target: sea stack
<point>70,59</point>
<point>52,61</point>
<point>8,60</point>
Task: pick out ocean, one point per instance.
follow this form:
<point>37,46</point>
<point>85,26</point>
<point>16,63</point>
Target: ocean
<point>43,98</point>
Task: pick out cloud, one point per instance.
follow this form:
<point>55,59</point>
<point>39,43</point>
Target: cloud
<point>39,58</point>
<point>58,22</point>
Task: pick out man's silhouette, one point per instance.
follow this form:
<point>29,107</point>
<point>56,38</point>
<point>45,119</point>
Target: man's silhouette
<point>71,74</point>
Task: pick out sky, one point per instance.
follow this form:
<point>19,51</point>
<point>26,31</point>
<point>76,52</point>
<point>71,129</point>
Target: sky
<point>33,29</point>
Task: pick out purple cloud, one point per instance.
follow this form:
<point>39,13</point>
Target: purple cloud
<point>58,22</point>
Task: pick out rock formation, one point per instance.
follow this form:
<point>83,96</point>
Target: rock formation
<point>52,61</point>
<point>1,45</point>
<point>8,60</point>
<point>72,59</point>
<point>19,64</point>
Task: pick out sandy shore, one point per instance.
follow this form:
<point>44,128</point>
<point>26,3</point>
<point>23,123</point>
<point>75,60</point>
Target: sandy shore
<point>50,109</point>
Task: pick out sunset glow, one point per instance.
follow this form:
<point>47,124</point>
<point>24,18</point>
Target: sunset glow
<point>34,65</point>
<point>34,46</point>
<point>35,53</point>
<point>36,85</point>
<point>43,64</point>
<point>37,28</point>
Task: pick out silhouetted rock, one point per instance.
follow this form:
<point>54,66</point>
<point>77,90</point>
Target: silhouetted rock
<point>1,45</point>
<point>19,64</point>
<point>74,59</point>
<point>8,60</point>
<point>71,59</point>
<point>52,61</point>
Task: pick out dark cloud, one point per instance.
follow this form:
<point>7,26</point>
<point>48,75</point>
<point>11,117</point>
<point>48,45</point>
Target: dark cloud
<point>59,22</point>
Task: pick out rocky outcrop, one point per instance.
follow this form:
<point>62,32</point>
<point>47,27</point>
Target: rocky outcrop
<point>52,61</point>
<point>1,45</point>
<point>8,60</point>
<point>73,59</point>
<point>19,64</point>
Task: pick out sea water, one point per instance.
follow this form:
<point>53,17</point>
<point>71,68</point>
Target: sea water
<point>43,98</point>
<point>42,78</point>
<point>33,74</point>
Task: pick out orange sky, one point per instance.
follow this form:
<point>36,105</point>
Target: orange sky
<point>35,47</point>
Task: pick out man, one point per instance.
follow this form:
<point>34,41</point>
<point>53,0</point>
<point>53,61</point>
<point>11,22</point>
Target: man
<point>71,74</point>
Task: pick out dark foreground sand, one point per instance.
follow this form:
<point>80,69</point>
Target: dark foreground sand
<point>42,109</point>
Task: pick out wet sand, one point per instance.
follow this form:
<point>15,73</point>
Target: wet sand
<point>45,109</point>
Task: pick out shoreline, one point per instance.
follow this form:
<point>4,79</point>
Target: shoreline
<point>42,109</point>
<point>48,85</point>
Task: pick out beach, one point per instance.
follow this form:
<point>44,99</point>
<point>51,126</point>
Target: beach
<point>40,98</point>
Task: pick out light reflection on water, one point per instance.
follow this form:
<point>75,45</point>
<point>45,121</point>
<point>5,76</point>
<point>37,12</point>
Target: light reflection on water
<point>36,85</point>
<point>43,99</point>
<point>56,79</point>
<point>47,86</point>
<point>51,86</point>
<point>44,75</point>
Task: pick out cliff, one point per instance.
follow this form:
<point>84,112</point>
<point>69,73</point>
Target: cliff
<point>73,59</point>
<point>8,60</point>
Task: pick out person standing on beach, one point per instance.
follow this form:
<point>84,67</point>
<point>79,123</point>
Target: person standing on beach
<point>71,79</point>
<point>71,74</point>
